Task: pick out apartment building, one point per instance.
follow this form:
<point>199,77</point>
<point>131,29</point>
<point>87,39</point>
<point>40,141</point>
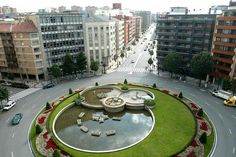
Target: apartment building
<point>138,27</point>
<point>100,43</point>
<point>146,19</point>
<point>119,36</point>
<point>20,50</point>
<point>224,46</point>
<point>61,34</point>
<point>184,33</point>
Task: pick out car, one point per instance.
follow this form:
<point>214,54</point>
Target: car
<point>145,49</point>
<point>9,105</point>
<point>49,85</point>
<point>132,61</point>
<point>16,119</point>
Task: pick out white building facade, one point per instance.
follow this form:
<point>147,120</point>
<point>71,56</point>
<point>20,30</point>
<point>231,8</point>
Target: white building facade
<point>100,41</point>
<point>119,36</point>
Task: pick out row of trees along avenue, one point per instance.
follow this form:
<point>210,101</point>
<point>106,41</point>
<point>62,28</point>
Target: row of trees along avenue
<point>69,67</point>
<point>200,65</point>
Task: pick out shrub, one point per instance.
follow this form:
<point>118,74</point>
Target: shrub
<point>200,112</point>
<point>154,85</point>
<point>70,91</point>
<point>96,84</point>
<point>48,106</point>
<point>19,85</point>
<point>149,102</point>
<point>203,138</point>
<point>125,81</point>
<point>56,153</point>
<point>125,87</point>
<point>77,102</point>
<point>165,91</point>
<point>38,129</point>
<point>180,95</point>
<point>79,96</point>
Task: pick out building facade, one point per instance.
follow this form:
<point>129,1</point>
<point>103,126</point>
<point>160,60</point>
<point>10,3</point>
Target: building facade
<point>116,6</point>
<point>21,53</point>
<point>100,43</point>
<point>61,33</point>
<point>146,19</point>
<point>184,34</point>
<point>138,27</point>
<point>224,46</point>
<point>119,36</point>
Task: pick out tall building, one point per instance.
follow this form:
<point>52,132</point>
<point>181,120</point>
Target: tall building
<point>100,43</point>
<point>119,36</point>
<point>21,53</point>
<point>90,10</point>
<point>138,28</point>
<point>77,8</point>
<point>224,46</point>
<point>146,19</point>
<point>61,34</point>
<point>184,33</point>
<point>61,9</point>
<point>116,6</point>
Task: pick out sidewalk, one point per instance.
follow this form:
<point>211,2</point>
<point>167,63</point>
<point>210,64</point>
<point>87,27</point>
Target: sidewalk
<point>24,93</point>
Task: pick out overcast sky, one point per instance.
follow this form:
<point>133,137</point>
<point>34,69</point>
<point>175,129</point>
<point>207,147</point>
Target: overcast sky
<point>152,5</point>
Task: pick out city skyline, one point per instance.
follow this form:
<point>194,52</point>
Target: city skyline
<point>26,6</point>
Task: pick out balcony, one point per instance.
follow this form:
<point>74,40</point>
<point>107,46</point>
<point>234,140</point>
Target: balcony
<point>167,46</point>
<point>219,75</point>
<point>226,18</point>
<point>165,39</point>
<point>220,67</point>
<point>165,33</point>
<point>225,44</point>
<point>225,35</point>
<point>166,27</point>
<point>226,27</point>
<point>229,53</point>
<point>229,61</point>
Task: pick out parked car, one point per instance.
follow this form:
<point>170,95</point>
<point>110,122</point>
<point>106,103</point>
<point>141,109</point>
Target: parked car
<point>132,61</point>
<point>9,105</point>
<point>49,85</point>
<point>222,94</point>
<point>16,119</point>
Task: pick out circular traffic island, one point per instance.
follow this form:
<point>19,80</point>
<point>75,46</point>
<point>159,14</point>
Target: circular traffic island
<point>108,119</point>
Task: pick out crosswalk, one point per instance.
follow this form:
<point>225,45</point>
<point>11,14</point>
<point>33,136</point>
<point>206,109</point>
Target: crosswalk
<point>137,70</point>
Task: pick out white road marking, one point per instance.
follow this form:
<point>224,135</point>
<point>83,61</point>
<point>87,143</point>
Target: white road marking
<point>217,102</point>
<point>221,117</point>
<point>234,116</point>
<point>137,60</point>
<point>13,135</point>
<point>233,150</point>
<point>203,90</point>
<point>207,104</point>
<point>230,131</point>
<point>192,94</point>
<point>12,154</point>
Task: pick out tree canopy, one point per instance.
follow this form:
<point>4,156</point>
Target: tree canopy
<point>94,66</point>
<point>56,71</point>
<point>201,64</point>
<point>150,61</point>
<point>4,93</point>
<point>68,65</point>
<point>173,63</point>
<point>81,62</point>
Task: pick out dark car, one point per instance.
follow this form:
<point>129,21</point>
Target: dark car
<point>49,85</point>
<point>16,119</point>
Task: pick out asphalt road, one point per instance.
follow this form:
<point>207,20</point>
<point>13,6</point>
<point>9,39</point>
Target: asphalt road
<point>13,139</point>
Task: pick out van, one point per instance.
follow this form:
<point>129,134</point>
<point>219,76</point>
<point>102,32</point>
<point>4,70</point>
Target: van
<point>222,94</point>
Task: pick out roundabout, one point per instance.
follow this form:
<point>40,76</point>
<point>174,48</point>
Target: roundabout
<point>170,128</point>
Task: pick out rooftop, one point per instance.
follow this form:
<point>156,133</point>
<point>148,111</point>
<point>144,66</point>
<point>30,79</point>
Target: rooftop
<point>21,27</point>
<point>98,18</point>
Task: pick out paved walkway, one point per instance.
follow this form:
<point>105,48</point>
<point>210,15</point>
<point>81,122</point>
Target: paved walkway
<point>24,93</point>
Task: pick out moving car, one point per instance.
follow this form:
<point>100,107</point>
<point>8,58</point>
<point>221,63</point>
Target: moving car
<point>49,85</point>
<point>230,101</point>
<point>221,94</point>
<point>9,105</point>
<point>132,61</point>
<point>16,119</point>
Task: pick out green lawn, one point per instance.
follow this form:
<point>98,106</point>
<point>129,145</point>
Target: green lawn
<point>174,129</point>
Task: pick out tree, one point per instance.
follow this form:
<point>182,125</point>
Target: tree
<point>94,66</point>
<point>122,55</point>
<point>173,63</point>
<point>154,85</point>
<point>68,65</point>
<point>96,84</point>
<point>81,62</point>
<point>180,95</point>
<point>38,129</point>
<point>70,91</point>
<point>4,94</point>
<point>150,61</point>
<point>200,113</point>
<point>201,64</point>
<point>56,153</point>
<point>203,138</point>
<point>154,42</point>
<point>125,81</point>
<point>56,71</point>
<point>150,52</point>
<point>48,106</point>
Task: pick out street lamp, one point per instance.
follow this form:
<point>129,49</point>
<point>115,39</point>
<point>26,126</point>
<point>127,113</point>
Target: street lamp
<point>104,67</point>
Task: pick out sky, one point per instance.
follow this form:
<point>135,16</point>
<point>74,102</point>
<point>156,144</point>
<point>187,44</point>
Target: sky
<point>151,5</point>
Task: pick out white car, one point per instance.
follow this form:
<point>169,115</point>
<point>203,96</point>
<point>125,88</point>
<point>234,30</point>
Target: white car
<point>9,105</point>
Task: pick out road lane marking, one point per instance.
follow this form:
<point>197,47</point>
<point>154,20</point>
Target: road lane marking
<point>137,60</point>
<point>192,95</point>
<point>234,116</point>
<point>7,120</point>
<point>12,155</point>
<point>13,135</point>
<point>233,150</point>
<point>230,131</point>
<point>207,104</point>
<point>221,117</point>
